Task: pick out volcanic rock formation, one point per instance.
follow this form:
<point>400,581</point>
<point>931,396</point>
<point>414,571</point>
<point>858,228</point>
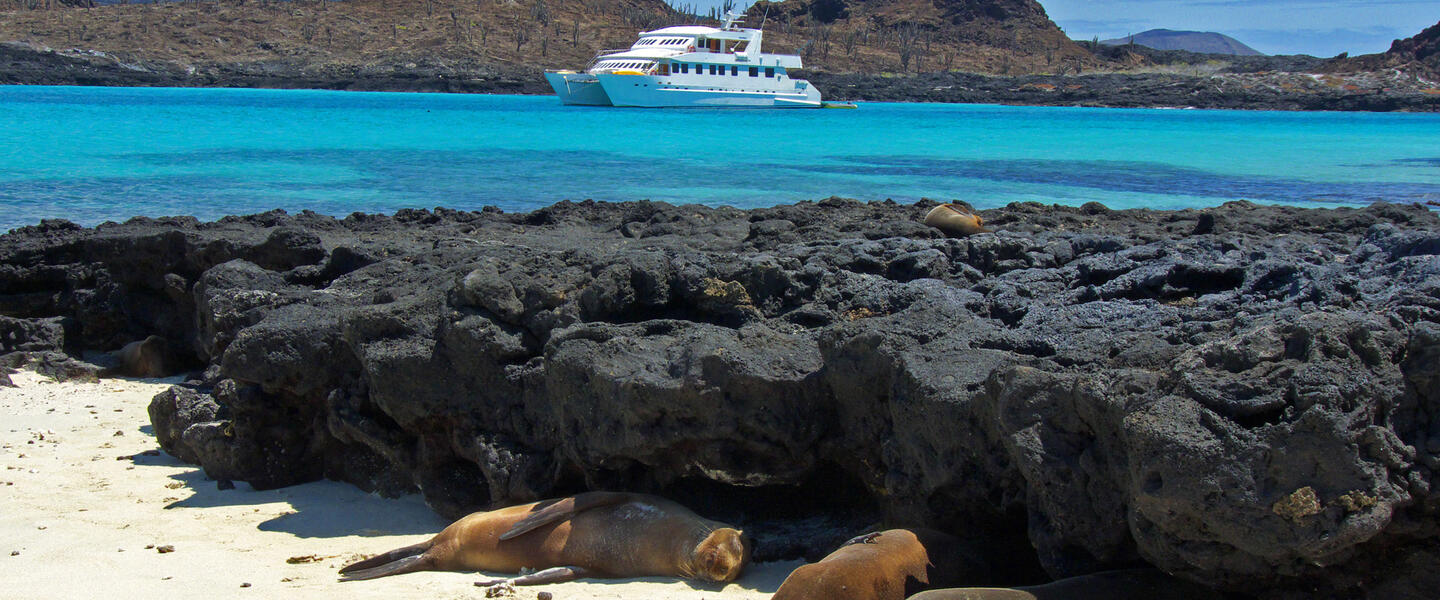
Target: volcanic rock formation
<point>1244,396</point>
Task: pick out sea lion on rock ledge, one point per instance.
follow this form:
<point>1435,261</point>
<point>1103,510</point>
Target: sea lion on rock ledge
<point>888,565</point>
<point>595,534</point>
<point>955,220</point>
<point>1129,584</point>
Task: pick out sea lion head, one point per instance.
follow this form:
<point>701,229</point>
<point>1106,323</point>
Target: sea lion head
<point>955,220</point>
<point>721,555</point>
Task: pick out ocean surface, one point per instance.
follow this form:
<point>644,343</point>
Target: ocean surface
<point>106,154</point>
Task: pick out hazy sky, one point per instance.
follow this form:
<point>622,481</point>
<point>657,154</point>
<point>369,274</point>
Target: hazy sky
<point>1321,29</point>
<point>1271,26</point>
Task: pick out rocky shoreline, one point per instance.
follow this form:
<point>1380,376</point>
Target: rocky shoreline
<point>1245,91</point>
<point>1245,396</point>
<point>22,64</point>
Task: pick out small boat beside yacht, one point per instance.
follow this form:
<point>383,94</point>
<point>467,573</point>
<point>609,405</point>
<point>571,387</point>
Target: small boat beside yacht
<point>689,66</point>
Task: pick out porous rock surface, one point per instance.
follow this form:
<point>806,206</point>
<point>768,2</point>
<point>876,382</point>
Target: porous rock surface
<point>1244,396</point>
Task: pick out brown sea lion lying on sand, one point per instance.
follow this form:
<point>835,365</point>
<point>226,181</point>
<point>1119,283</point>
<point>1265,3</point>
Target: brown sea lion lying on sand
<point>595,534</point>
<point>1129,584</point>
<point>146,358</point>
<point>888,565</point>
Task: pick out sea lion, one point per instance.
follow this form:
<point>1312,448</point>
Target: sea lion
<point>955,220</point>
<point>145,358</point>
<point>595,534</point>
<point>1128,584</point>
<point>888,565</point>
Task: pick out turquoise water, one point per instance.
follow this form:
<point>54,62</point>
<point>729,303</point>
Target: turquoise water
<point>97,154</point>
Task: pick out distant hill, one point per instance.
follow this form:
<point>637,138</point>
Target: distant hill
<point>1204,42</point>
<point>470,39</point>
<point>1419,56</point>
<point>1004,37</point>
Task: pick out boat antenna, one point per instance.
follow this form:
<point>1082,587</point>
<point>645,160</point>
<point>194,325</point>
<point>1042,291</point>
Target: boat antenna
<point>763,15</point>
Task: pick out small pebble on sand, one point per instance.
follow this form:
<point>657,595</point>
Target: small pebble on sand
<point>14,553</point>
<point>245,585</point>
<point>166,549</point>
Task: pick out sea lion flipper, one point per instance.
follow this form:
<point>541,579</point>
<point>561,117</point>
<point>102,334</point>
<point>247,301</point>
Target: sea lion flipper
<point>542,577</point>
<point>564,508</point>
<point>868,538</point>
<point>386,558</point>
<point>409,564</point>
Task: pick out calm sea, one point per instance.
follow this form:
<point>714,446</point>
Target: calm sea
<point>97,154</point>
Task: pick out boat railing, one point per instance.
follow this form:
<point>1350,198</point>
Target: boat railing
<point>602,54</point>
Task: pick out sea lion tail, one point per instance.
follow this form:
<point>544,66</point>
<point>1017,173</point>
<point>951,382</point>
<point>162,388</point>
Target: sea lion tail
<point>394,562</point>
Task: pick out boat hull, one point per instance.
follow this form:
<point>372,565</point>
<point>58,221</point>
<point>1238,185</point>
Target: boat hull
<point>652,92</point>
<point>581,89</point>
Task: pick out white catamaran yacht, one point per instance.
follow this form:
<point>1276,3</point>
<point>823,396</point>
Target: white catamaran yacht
<point>688,66</point>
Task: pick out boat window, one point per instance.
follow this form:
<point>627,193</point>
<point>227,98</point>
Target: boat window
<point>769,71</point>
<point>714,45</point>
<point>754,71</point>
<point>734,70</point>
<point>712,69</point>
<point>664,68</point>
<point>699,69</point>
<point>684,67</point>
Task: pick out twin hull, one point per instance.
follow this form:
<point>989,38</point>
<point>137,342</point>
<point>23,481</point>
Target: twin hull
<point>611,89</point>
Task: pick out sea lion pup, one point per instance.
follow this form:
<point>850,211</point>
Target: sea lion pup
<point>955,220</point>
<point>888,565</point>
<point>144,359</point>
<point>595,534</point>
<point>1127,584</point>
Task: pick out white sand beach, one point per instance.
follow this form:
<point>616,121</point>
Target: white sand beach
<point>89,502</point>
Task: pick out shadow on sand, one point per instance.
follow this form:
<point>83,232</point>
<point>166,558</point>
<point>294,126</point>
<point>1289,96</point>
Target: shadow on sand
<point>321,509</point>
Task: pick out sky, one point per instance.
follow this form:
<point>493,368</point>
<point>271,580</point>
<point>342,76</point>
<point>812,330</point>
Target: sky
<point>1311,27</point>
